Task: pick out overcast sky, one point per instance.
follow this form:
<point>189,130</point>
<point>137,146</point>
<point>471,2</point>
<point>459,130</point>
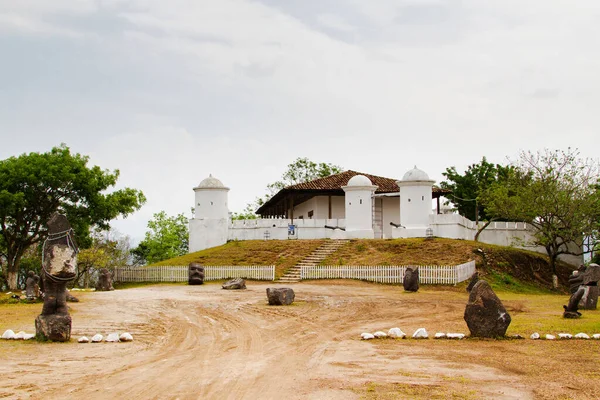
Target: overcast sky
<point>170,91</point>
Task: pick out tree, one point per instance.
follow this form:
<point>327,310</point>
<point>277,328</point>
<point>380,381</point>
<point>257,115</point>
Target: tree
<point>467,190</point>
<point>168,237</point>
<point>108,250</point>
<point>555,193</point>
<point>33,186</point>
<point>299,171</point>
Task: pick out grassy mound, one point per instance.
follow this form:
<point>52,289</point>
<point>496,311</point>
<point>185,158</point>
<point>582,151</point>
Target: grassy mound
<point>506,268</point>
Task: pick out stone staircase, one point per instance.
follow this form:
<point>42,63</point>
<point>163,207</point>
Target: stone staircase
<point>314,258</point>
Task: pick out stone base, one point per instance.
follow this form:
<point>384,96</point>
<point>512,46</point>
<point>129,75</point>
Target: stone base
<point>589,301</point>
<point>571,314</point>
<point>56,328</point>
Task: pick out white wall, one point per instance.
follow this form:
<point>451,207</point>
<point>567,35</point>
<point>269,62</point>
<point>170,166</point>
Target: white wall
<point>255,229</point>
<point>415,205</point>
<point>320,206</point>
<point>211,203</point>
<point>391,213</point>
<point>207,233</point>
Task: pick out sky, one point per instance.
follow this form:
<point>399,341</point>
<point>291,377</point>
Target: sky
<point>169,92</point>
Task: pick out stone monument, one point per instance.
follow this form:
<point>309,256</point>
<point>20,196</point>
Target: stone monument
<point>485,314</point>
<point>234,284</point>
<point>195,274</point>
<point>411,279</point>
<point>105,281</point>
<point>280,296</point>
<point>59,261</point>
<point>32,286</point>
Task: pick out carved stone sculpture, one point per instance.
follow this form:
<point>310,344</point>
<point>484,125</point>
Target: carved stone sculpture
<point>32,286</point>
<point>576,279</point>
<point>473,281</point>
<point>59,260</point>
<point>571,308</point>
<point>485,314</point>
<point>237,283</point>
<point>195,274</point>
<point>411,279</point>
<point>105,281</point>
<point>280,296</point>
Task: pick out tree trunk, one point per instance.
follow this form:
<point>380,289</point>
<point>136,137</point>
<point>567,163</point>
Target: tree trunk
<point>481,230</point>
<point>12,279</point>
<point>552,257</point>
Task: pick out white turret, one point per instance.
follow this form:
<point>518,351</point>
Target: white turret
<point>415,203</point>
<point>209,226</point>
<point>359,207</point>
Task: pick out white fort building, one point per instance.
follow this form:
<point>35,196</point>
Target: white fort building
<point>348,205</point>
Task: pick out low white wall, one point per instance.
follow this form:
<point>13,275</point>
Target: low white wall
<point>254,229</point>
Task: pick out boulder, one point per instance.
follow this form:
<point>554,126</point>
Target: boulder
<point>596,336</point>
<point>485,314</point>
<point>380,335</point>
<point>237,283</point>
<point>367,336</point>
<point>589,301</point>
<point>112,338</point>
<point>280,296</point>
<point>591,276</point>
<point>126,337</point>
<point>550,337</point>
<point>97,338</point>
<point>396,333</point>
<point>420,333</point>
<point>535,336</point>
<point>83,339</point>
<point>473,281</point>
<point>8,334</point>
<point>411,279</point>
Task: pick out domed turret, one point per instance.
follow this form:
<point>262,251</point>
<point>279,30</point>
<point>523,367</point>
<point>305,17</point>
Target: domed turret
<point>415,202</point>
<point>211,183</point>
<point>359,207</point>
<point>415,174</point>
<point>359,180</point>
<point>209,226</point>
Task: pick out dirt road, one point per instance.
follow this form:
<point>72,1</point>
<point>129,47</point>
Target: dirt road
<point>202,342</point>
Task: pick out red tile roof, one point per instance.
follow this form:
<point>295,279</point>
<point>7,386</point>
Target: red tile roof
<point>335,182</point>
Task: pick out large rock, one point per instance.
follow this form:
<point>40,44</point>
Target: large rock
<point>485,315</point>
<point>411,279</point>
<point>280,296</point>
<point>591,276</point>
<point>237,283</point>
<point>589,301</point>
<point>32,287</point>
<point>473,281</point>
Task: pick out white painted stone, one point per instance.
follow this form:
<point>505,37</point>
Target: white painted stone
<point>582,335</point>
<point>455,335</point>
<point>565,336</point>
<point>550,337</point>
<point>126,337</point>
<point>396,333</point>
<point>83,339</point>
<point>20,335</point>
<point>440,335</point>
<point>8,334</point>
<point>380,335</point>
<point>535,336</point>
<point>112,337</point>
<point>420,333</point>
<point>28,336</point>
<point>97,338</point>
<point>596,336</point>
<point>367,336</point>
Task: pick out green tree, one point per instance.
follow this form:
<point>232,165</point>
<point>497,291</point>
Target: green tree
<point>555,193</point>
<point>35,185</point>
<point>168,237</point>
<point>467,190</point>
<point>299,171</point>
<point>108,250</point>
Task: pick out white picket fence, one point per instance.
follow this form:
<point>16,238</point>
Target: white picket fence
<point>179,273</point>
<point>431,274</point>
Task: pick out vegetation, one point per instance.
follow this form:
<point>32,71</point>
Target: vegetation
<point>299,171</point>
<point>168,237</point>
<point>555,192</point>
<point>33,186</point>
<point>106,251</point>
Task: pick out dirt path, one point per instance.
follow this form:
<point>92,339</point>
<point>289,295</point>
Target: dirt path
<point>201,342</point>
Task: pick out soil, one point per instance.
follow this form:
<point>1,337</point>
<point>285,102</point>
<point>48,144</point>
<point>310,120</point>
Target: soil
<point>202,342</point>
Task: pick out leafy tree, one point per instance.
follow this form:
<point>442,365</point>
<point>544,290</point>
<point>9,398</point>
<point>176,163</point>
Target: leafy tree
<point>107,251</point>
<point>555,193</point>
<point>35,185</point>
<point>168,237</point>
<point>299,171</point>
